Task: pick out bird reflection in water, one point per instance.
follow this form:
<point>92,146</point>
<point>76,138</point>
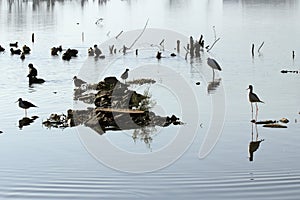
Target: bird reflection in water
<point>254,144</point>
<point>213,85</point>
<point>26,121</point>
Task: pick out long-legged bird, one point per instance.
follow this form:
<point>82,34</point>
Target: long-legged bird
<point>25,105</point>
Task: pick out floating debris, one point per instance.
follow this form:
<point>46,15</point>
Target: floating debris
<point>284,120</point>
<point>265,122</point>
<point>275,125</point>
<point>56,121</point>
<point>284,71</point>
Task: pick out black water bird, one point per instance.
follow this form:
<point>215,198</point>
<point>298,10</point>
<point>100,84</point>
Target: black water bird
<point>91,51</point>
<point>35,80</point>
<point>25,105</point>
<point>72,52</point>
<point>158,55</point>
<point>78,82</point>
<point>32,71</point>
<point>69,54</point>
<point>124,76</point>
<point>26,49</point>
<point>22,56</point>
<point>172,54</point>
<point>1,49</point>
<point>253,98</point>
<point>17,51</point>
<point>55,50</point>
<point>13,44</point>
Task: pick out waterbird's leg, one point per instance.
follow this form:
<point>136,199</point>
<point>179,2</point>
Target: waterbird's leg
<point>256,132</point>
<point>252,131</point>
<point>213,74</point>
<point>256,112</point>
<point>251,110</point>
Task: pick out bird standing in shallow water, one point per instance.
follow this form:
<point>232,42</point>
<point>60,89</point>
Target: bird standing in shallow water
<point>214,65</point>
<point>253,98</point>
<point>25,105</point>
<point>78,82</point>
<point>124,76</point>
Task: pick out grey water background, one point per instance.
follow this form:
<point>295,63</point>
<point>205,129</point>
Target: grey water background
<point>38,163</point>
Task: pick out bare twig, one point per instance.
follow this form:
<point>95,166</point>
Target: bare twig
<point>119,35</point>
<point>213,44</point>
<point>140,35</point>
<point>187,51</point>
<point>215,34</point>
<point>162,44</point>
<point>262,44</point>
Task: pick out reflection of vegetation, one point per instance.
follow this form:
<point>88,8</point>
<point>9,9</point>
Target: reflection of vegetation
<point>147,103</point>
<point>144,134</point>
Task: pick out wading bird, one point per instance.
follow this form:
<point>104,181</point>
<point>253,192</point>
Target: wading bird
<point>253,98</point>
<point>78,82</point>
<point>124,76</point>
<point>214,65</point>
<point>25,105</point>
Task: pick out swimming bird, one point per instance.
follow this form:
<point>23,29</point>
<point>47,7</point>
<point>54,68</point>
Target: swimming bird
<point>124,76</point>
<point>25,105</point>
<point>22,56</point>
<point>26,49</point>
<point>253,98</point>
<point>35,80</point>
<point>32,71</point>
<point>78,82</point>
<point>13,44</point>
<point>158,55</point>
<point>1,48</point>
<point>214,65</point>
<point>17,51</point>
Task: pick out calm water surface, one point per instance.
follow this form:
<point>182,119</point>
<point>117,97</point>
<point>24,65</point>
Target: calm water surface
<point>41,163</point>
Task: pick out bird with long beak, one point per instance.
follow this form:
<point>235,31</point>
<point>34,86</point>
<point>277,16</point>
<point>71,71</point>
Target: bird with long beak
<point>253,98</point>
<point>214,65</point>
<point>25,105</point>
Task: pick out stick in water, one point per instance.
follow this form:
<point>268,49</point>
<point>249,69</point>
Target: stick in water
<point>140,35</point>
<point>262,44</point>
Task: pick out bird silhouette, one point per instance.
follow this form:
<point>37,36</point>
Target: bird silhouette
<point>253,98</point>
<point>124,76</point>
<point>78,82</point>
<point>25,105</point>
<point>214,65</point>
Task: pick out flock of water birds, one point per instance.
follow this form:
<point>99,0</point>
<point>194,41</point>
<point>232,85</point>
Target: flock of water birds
<point>69,53</point>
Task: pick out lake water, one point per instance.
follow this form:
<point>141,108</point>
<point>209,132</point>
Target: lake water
<point>41,163</point>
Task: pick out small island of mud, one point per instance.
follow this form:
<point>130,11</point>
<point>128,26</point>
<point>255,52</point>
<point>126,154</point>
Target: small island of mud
<point>116,107</point>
